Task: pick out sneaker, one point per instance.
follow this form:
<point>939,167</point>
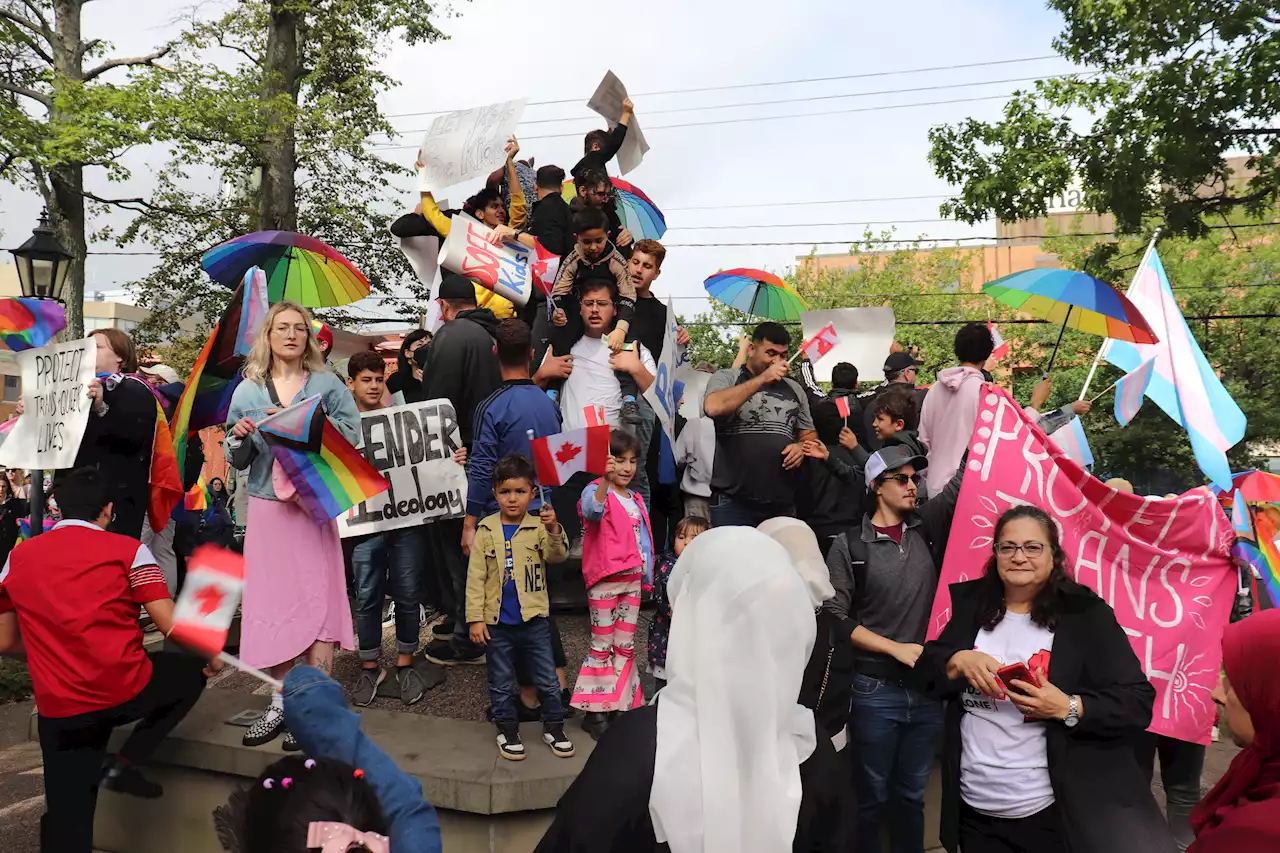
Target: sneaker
<point>388,614</point>
<point>595,723</point>
<point>124,778</point>
<point>269,727</point>
<point>367,686</point>
<point>449,656</point>
<point>443,630</point>
<point>509,745</point>
<point>629,412</point>
<point>575,549</point>
<point>554,737</point>
<point>566,696</point>
<point>427,615</point>
<point>290,742</point>
<point>412,687</point>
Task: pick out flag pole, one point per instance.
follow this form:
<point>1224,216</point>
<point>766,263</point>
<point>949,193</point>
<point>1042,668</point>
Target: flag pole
<point>1108,388</point>
<point>542,497</point>
<point>1097,359</point>
<point>231,660</point>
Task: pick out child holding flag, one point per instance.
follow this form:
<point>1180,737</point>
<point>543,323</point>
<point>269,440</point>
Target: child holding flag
<point>507,604</point>
<point>617,552</point>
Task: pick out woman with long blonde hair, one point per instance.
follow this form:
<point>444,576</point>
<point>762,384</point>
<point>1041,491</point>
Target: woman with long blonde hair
<point>295,595</point>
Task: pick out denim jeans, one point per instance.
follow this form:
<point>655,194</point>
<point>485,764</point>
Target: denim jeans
<point>530,645</point>
<point>643,432</point>
<point>727,512</point>
<point>388,563</point>
<point>895,733</point>
<point>1181,765</point>
<point>448,559</point>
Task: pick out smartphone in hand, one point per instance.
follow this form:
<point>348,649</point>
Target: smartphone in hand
<point>1015,671</point>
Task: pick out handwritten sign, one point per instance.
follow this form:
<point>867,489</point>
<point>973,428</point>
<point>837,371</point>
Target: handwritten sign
<point>1164,566</point>
<point>412,446</point>
<point>55,385</point>
<point>662,393</point>
<point>507,270</point>
<point>607,101</point>
<point>466,144</point>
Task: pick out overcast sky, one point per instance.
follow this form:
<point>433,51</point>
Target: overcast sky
<point>666,45</point>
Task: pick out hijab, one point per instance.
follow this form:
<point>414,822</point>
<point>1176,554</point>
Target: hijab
<point>802,545</point>
<point>731,736</point>
<point>1243,809</point>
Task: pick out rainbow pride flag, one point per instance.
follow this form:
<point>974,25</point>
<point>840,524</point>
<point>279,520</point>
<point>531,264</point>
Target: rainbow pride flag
<point>198,497</point>
<point>329,474</point>
<point>207,396</point>
<point>30,323</point>
<point>1255,545</point>
<point>166,474</point>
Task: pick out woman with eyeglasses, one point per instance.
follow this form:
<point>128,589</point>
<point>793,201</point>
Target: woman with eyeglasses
<point>1045,701</point>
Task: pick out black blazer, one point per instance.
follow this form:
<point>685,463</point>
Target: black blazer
<point>1103,797</point>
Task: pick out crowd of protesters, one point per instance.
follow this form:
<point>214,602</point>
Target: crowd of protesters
<point>791,552</point>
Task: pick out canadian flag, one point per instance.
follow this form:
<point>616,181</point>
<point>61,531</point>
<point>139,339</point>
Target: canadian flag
<point>842,406</point>
<point>558,457</point>
<point>1001,348</point>
<point>821,344</point>
<point>545,266</point>
<point>210,595</point>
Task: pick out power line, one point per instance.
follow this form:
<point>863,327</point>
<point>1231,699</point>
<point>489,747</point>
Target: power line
<point>862,76</point>
<point>912,90</point>
<point>753,120</point>
<point>808,203</point>
<point>804,224</point>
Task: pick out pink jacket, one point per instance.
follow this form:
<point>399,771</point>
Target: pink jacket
<point>609,545</point>
<point>946,422</point>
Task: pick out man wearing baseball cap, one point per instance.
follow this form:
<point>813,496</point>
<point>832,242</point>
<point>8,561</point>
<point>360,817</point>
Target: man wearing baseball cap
<point>885,574</point>
<point>900,368</point>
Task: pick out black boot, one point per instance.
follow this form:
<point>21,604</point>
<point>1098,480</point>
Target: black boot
<point>123,778</point>
<point>595,723</point>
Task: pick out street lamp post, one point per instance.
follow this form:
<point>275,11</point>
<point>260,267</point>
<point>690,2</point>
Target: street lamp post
<point>42,265</point>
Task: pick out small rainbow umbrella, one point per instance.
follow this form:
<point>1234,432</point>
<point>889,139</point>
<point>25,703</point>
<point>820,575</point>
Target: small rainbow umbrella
<point>637,211</point>
<point>1075,299</point>
<point>299,268</point>
<point>757,293</point>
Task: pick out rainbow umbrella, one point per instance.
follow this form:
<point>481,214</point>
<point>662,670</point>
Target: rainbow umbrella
<point>1076,300</point>
<point>299,268</point>
<point>1256,487</point>
<point>638,213</point>
<point>757,293</point>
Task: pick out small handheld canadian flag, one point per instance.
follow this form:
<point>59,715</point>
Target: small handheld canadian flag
<point>999,348</point>
<point>545,266</point>
<point>210,596</point>
<point>820,344</point>
<point>842,406</point>
<point>558,457</point>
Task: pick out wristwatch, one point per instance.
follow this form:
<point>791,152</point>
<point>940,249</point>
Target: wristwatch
<point>1073,712</point>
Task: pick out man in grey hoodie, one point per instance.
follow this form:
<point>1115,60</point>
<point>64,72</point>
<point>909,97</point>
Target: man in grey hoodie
<point>885,574</point>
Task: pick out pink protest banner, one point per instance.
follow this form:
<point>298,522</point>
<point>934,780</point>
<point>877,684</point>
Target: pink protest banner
<point>1164,566</point>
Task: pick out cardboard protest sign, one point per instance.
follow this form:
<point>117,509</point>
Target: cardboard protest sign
<point>864,336</point>
<point>55,387</point>
<point>1164,566</point>
<point>412,446</point>
<point>607,101</point>
<point>662,393</point>
<point>507,270</point>
<point>466,144</point>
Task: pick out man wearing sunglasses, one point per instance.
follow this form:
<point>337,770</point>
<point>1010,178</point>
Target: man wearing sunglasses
<point>885,574</point>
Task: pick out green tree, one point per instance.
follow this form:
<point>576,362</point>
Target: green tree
<point>1175,87</point>
<point>286,125</point>
<point>62,111</point>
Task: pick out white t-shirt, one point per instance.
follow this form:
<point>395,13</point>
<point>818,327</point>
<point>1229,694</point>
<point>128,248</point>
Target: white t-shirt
<point>1004,761</point>
<point>593,383</point>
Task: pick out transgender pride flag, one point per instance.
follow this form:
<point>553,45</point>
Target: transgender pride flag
<point>1184,384</point>
<point>1130,390</point>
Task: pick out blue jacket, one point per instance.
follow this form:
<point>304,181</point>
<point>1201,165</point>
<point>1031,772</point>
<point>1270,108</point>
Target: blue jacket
<point>501,429</point>
<point>315,709</point>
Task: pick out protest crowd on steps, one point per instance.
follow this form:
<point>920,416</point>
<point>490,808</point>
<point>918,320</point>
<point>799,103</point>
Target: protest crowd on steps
<point>799,600</point>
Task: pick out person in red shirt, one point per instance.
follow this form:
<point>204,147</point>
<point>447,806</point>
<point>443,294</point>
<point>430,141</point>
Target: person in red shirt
<point>69,605</point>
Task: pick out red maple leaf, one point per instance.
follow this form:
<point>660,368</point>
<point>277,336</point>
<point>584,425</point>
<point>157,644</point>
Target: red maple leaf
<point>208,599</point>
<point>567,451</point>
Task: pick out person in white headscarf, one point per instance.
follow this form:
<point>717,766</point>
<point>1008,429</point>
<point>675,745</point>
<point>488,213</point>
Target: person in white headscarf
<point>726,760</point>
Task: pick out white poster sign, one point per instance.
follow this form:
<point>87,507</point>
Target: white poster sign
<point>55,387</point>
<point>412,446</point>
<point>507,270</point>
<point>866,334</point>
<point>607,101</point>
<point>466,144</point>
<point>662,393</point>
<point>695,388</point>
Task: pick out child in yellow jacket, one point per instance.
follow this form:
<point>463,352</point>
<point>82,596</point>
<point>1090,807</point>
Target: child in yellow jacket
<point>508,605</point>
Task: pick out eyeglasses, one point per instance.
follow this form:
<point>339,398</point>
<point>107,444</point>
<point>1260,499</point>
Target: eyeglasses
<point>903,479</point>
<point>285,330</point>
<point>1030,549</point>
<point>596,303</point>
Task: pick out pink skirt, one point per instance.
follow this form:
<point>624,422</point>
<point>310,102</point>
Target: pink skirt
<point>295,587</point>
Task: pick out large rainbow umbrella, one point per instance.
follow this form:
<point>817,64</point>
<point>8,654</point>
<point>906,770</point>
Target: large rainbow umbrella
<point>637,211</point>
<point>299,268</point>
<point>1076,300</point>
<point>757,293</point>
